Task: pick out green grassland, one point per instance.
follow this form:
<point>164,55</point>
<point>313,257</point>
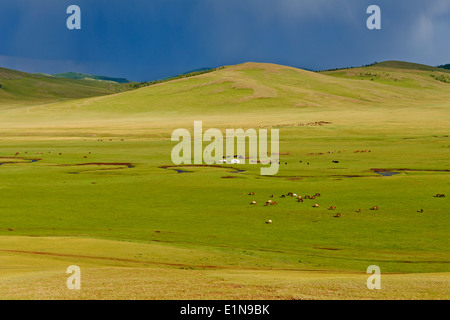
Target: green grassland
<point>82,182</point>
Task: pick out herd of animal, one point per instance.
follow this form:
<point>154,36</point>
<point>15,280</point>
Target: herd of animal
<point>316,205</point>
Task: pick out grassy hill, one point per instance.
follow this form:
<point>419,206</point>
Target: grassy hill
<point>406,66</point>
<point>21,89</point>
<point>87,182</point>
<point>258,95</point>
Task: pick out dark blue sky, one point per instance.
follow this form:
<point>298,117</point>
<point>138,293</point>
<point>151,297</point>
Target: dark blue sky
<point>150,39</point>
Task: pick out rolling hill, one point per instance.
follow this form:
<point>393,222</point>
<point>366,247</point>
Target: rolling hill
<point>22,89</point>
<point>259,94</point>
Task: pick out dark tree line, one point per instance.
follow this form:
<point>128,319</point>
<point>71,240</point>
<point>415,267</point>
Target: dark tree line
<point>444,66</point>
<point>138,85</point>
<point>336,69</point>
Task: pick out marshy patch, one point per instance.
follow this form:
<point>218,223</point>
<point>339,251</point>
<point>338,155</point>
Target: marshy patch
<point>179,169</point>
<point>115,166</point>
<point>121,164</point>
<point>17,160</point>
<point>329,249</point>
<point>389,172</point>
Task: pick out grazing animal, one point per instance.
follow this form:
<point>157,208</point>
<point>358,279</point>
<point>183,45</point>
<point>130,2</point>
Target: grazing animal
<point>282,196</point>
<point>253,202</point>
<point>274,203</point>
<point>317,194</point>
<point>271,196</point>
<point>307,197</point>
<point>421,211</point>
<point>440,195</point>
<point>269,222</point>
<point>316,205</point>
<point>300,200</point>
<point>375,208</point>
<point>359,211</point>
<point>332,208</point>
<point>313,197</point>
<point>338,215</point>
<point>251,194</point>
<point>335,161</point>
<point>290,194</point>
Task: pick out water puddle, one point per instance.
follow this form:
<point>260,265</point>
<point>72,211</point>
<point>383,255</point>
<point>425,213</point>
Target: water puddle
<point>387,173</point>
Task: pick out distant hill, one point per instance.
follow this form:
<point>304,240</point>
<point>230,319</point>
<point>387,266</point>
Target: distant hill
<point>82,76</point>
<point>398,73</point>
<point>406,65</point>
<point>444,66</point>
<point>20,88</point>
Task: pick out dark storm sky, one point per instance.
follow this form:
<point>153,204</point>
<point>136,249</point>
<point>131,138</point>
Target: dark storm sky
<point>149,39</point>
